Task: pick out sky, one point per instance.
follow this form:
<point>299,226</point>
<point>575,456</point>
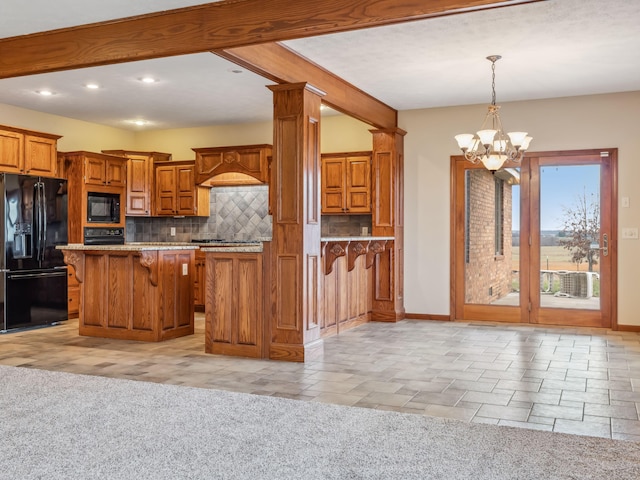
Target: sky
<point>560,186</point>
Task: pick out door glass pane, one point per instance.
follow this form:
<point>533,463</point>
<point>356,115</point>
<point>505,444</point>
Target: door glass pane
<point>570,236</point>
<point>492,225</point>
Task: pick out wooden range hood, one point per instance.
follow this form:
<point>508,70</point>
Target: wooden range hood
<point>234,165</point>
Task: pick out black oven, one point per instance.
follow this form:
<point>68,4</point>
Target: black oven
<point>103,207</point>
<point>103,236</point>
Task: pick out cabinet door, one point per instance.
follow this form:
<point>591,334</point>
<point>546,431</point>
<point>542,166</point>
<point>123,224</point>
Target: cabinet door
<point>95,171</point>
<point>185,190</point>
<point>11,151</point>
<point>138,185</point>
<point>234,295</point>
<point>115,173</point>
<point>73,294</point>
<point>358,189</point>
<point>40,156</point>
<point>333,185</point>
<point>199,279</point>
<point>166,191</point>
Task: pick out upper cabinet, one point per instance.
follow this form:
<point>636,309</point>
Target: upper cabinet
<point>176,191</point>
<point>238,165</point>
<point>346,183</point>
<point>105,170</point>
<point>140,180</point>
<point>27,152</point>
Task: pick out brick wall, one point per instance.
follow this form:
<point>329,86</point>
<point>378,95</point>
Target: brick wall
<point>487,275</point>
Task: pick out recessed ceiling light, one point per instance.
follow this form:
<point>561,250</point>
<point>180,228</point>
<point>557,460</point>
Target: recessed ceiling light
<point>148,80</point>
<point>139,122</point>
<point>44,93</point>
<point>92,86</point>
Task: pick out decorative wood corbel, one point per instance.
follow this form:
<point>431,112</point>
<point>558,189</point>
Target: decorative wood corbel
<point>355,249</point>
<point>375,247</point>
<point>332,251</point>
<point>149,260</point>
<point>74,259</point>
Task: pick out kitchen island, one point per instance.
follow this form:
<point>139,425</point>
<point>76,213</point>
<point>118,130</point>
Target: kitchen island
<point>134,291</point>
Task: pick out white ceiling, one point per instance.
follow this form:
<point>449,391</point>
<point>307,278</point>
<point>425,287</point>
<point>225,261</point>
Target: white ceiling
<point>550,49</point>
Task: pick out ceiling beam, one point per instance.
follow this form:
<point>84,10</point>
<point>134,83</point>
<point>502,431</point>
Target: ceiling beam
<point>213,26</point>
<point>282,65</point>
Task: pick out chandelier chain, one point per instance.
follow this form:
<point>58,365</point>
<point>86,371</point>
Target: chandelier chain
<point>493,82</point>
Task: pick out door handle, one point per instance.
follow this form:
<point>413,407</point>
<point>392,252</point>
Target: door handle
<point>605,244</point>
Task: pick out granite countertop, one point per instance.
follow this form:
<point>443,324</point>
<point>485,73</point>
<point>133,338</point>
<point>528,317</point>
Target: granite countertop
<point>130,247</point>
<point>232,248</point>
<point>218,246</point>
<point>354,239</point>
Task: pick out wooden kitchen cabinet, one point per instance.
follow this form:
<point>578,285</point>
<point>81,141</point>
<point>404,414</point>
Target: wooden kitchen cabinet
<point>73,293</point>
<point>105,170</point>
<point>346,183</point>
<point>140,180</point>
<point>234,304</point>
<point>237,165</point>
<point>199,281</point>
<point>27,152</point>
<point>176,191</point>
<point>89,172</point>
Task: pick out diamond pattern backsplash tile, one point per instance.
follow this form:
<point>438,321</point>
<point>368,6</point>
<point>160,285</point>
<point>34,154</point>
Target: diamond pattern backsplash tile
<point>237,213</point>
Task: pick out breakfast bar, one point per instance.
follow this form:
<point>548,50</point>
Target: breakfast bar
<point>134,291</point>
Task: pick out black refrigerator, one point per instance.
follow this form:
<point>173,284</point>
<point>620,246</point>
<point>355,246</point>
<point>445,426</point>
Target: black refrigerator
<point>33,274</point>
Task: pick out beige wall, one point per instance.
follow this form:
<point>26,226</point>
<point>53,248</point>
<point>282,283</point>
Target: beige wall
<point>76,135</point>
<point>339,133</point>
<point>599,121</point>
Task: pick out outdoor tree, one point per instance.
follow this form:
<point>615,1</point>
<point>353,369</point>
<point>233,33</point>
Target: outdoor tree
<point>581,229</point>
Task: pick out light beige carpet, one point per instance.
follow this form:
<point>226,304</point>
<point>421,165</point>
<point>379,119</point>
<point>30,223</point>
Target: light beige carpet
<point>64,426</point>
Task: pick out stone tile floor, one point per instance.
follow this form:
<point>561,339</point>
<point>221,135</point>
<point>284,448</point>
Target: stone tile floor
<point>573,380</point>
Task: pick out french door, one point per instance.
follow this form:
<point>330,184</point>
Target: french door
<point>536,242</point>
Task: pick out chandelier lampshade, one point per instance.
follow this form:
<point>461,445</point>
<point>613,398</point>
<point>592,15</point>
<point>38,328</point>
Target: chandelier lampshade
<point>490,145</point>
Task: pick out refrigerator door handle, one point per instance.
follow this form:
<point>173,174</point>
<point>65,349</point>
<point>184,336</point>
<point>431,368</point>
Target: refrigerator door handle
<point>43,216</point>
<point>40,221</point>
<point>21,276</point>
<point>36,219</point>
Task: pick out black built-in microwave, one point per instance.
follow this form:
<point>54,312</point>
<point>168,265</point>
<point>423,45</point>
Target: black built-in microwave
<point>103,207</point>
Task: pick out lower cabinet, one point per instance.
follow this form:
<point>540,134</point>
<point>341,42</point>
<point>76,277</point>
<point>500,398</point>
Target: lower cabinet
<point>73,294</point>
<point>234,302</point>
<point>199,281</point>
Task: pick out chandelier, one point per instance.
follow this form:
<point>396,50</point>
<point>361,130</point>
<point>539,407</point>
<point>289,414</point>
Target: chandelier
<point>490,145</point>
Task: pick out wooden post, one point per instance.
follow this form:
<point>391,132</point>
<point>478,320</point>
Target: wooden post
<point>388,220</point>
<point>295,205</point>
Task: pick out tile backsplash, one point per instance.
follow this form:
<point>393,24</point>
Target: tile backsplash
<point>237,213</point>
<point>344,225</point>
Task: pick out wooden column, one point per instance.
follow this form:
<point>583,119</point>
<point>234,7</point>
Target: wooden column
<point>295,205</point>
<point>388,220</point>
